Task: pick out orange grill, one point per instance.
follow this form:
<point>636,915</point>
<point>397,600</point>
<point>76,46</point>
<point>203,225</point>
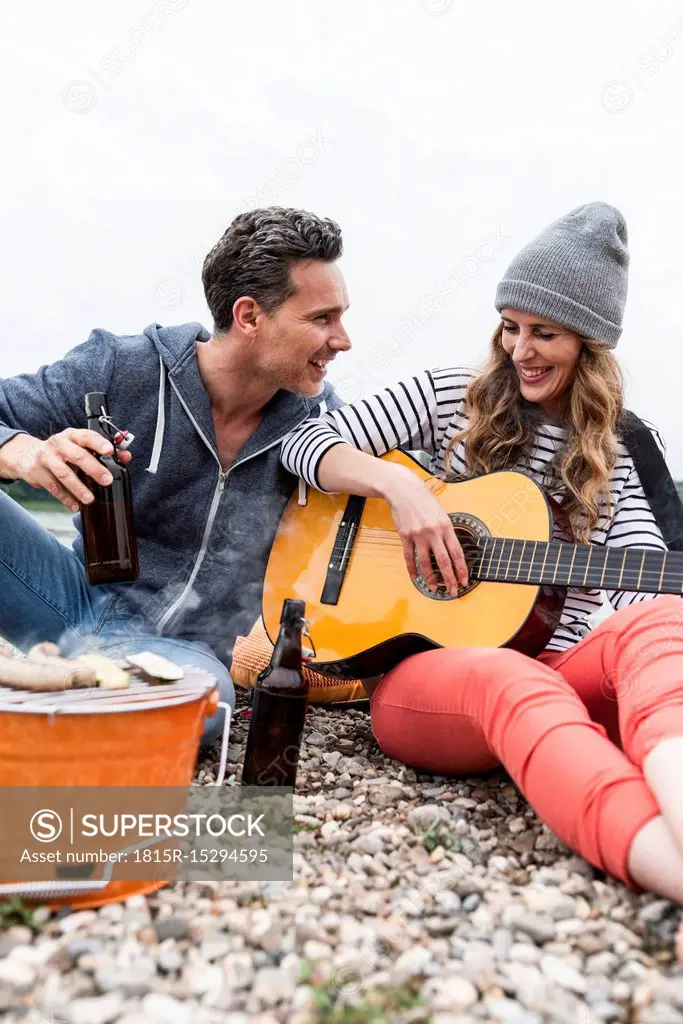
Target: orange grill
<point>142,736</point>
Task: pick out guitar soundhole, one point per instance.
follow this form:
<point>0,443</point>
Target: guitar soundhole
<point>469,530</point>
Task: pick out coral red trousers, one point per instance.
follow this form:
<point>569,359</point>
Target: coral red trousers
<point>571,728</point>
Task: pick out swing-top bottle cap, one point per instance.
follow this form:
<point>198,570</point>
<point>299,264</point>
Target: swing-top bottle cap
<point>293,609</point>
<point>94,401</point>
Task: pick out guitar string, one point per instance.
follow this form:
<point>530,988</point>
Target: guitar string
<point>512,565</point>
<point>552,545</point>
<point>610,549</point>
<point>482,544</point>
<point>652,586</point>
<point>566,547</point>
<point>398,570</point>
<point>390,538</point>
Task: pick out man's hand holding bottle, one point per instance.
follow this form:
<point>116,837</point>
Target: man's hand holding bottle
<point>51,465</point>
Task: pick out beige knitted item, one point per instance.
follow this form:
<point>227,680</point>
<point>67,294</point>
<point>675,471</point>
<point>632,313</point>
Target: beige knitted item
<point>252,653</point>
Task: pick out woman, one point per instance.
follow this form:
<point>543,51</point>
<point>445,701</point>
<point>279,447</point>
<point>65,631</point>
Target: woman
<point>592,730</point>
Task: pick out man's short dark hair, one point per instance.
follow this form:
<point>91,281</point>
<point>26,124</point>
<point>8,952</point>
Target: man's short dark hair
<point>254,256</point>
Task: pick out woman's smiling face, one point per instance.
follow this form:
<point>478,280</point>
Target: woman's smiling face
<point>545,356</point>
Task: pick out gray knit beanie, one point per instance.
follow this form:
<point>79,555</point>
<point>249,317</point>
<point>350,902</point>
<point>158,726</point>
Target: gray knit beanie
<point>574,273</point>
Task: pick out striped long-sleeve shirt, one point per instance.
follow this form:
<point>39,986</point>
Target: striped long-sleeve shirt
<point>424,413</point>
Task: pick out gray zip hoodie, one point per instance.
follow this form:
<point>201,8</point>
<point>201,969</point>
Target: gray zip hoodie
<point>203,535</point>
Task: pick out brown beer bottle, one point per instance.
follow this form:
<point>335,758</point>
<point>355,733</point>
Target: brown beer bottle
<point>110,546</point>
<point>278,708</point>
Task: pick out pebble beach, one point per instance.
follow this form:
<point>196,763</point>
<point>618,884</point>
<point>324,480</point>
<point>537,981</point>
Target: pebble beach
<point>415,898</point>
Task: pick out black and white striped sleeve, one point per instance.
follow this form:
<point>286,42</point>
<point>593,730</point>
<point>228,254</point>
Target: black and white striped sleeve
<point>633,525</point>
<point>402,416</point>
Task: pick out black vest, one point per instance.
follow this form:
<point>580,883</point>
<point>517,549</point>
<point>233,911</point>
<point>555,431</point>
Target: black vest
<point>655,477</point>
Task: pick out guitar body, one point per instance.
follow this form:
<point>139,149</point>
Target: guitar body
<point>380,616</point>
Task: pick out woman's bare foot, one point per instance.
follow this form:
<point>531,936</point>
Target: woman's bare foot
<point>663,771</point>
<point>654,861</point>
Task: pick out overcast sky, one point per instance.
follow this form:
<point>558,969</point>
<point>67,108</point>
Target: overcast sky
<point>442,135</point>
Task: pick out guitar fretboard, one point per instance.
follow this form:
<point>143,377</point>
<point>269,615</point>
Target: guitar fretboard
<point>586,566</point>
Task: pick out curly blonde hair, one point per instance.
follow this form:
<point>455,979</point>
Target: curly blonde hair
<point>502,424</point>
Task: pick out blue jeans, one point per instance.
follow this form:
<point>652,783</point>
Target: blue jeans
<point>45,595</point>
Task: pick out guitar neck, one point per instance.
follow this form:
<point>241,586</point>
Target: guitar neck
<point>584,566</point>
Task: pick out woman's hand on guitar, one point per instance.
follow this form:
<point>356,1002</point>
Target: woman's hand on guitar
<point>426,529</point>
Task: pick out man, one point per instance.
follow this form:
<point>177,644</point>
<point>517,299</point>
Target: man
<point>208,412</point>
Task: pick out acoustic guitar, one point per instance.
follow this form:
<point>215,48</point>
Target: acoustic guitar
<point>343,556</point>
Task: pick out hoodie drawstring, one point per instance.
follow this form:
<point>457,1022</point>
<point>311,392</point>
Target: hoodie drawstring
<point>161,421</point>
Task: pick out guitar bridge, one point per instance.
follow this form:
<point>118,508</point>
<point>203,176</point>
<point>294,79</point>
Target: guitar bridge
<point>342,550</point>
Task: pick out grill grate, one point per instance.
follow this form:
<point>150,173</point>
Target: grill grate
<point>138,696</point>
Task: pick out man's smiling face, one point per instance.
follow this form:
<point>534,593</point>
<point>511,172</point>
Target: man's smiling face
<point>297,342</point>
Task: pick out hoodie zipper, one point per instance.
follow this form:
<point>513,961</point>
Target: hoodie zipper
<point>220,487</point>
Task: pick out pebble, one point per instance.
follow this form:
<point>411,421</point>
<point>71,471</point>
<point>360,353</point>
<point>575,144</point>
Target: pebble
<point>655,911</point>
<point>79,947</point>
<point>670,990</point>
<point>314,950</point>
<point>661,1013</point>
<point>386,796</point>
<point>507,1011</point>
<point>602,964</point>
<point>347,766</point>
<point>16,935</point>
<point>130,981</point>
<point>369,842</point>
<point>371,902</point>
<point>238,970</point>
<point>410,964</point>
<point>426,816</point>
<point>265,930</point>
<point>16,975</point>
<point>273,986</point>
<point>605,1010</point>
<point>539,927</point>
<point>524,977</point>
<point>621,991</point>
<point>169,957</point>
<point>112,912</point>
<point>215,947</point>
<point>525,953</point>
<point>448,901</point>
<point>321,894</point>
<point>441,925</point>
<point>162,1009</point>
<point>74,922</point>
<point>100,1010</point>
<point>171,928</point>
<point>501,942</point>
<point>202,979</point>
<point>454,993</point>
<point>559,971</point>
